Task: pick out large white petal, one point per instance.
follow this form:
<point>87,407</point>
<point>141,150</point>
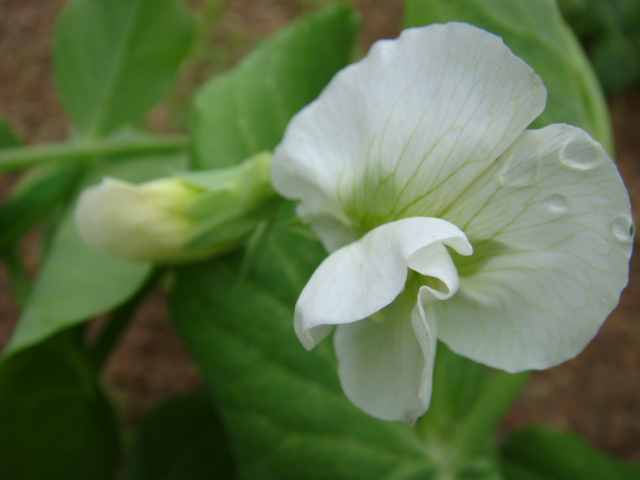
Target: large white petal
<point>405,130</point>
<point>550,224</point>
<point>386,365</point>
<point>365,276</point>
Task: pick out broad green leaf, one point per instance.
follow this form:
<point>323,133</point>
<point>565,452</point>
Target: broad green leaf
<point>246,110</point>
<point>8,137</point>
<point>32,199</point>
<point>55,423</point>
<point>75,282</point>
<point>535,31</point>
<point>182,439</point>
<point>539,453</point>
<point>283,406</point>
<point>114,59</point>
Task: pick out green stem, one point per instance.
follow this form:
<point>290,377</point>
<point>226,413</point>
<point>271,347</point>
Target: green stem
<point>22,157</point>
<point>483,419</point>
<point>119,320</point>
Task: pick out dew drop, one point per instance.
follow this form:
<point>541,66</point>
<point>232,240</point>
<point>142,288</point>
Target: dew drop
<point>515,173</point>
<point>581,155</point>
<point>557,203</point>
<point>622,228</point>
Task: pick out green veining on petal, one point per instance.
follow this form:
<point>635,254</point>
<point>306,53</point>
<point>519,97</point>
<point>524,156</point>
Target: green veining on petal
<point>483,251</point>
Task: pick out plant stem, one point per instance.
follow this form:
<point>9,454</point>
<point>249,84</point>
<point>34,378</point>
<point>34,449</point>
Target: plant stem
<point>479,426</point>
<point>22,157</point>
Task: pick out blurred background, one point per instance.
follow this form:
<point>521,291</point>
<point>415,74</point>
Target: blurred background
<point>596,395</point>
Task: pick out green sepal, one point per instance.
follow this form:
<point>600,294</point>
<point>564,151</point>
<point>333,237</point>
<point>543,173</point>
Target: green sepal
<point>234,201</point>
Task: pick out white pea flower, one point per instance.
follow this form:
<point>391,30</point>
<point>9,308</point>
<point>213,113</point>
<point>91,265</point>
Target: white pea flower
<point>408,159</point>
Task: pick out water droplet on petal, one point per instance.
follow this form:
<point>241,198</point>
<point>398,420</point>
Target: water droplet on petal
<point>622,228</point>
<point>581,154</point>
<point>557,203</point>
<point>519,173</point>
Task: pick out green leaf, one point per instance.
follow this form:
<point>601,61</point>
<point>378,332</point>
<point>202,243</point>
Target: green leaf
<point>114,59</point>
<point>33,198</point>
<point>8,137</point>
<point>539,453</point>
<point>246,110</point>
<point>182,439</point>
<point>56,424</point>
<point>76,282</point>
<point>535,31</point>
<point>283,406</point>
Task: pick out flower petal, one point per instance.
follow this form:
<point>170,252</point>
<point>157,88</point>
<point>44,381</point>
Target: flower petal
<point>137,222</point>
<point>386,365</point>
<point>365,276</point>
<point>405,130</point>
<point>551,227</point>
<point>434,261</point>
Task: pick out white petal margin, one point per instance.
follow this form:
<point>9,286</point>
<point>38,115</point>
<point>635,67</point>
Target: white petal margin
<point>405,130</point>
<point>552,231</point>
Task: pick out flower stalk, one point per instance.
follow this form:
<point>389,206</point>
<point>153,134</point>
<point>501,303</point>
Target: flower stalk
<point>480,425</point>
<point>24,157</point>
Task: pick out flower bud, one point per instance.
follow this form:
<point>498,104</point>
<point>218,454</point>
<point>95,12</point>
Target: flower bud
<point>176,219</point>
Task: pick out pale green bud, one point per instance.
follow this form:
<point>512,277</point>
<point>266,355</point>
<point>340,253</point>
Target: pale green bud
<point>177,219</point>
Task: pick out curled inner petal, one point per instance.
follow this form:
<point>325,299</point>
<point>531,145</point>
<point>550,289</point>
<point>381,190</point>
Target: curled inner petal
<point>367,275</point>
<point>385,366</point>
<point>386,361</point>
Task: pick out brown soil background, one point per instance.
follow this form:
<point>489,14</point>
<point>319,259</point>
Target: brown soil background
<point>596,395</point>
